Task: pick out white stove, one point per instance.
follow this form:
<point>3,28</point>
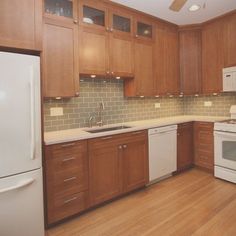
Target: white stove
<point>225,148</point>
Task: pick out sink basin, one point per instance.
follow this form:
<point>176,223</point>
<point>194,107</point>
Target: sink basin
<point>100,130</point>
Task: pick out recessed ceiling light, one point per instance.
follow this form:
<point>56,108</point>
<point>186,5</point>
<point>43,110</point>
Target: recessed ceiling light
<point>194,7</point>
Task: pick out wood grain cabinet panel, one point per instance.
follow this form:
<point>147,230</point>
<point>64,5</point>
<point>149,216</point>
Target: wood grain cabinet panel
<point>185,148</point>
<point>212,57</point>
<point>60,60</point>
<point>117,164</point>
<point>143,82</point>
<point>66,172</point>
<point>166,61</point>
<point>135,162</point>
<point>93,51</point>
<point>21,24</point>
<point>104,170</point>
<point>190,61</point>
<point>230,38</point>
<point>204,145</point>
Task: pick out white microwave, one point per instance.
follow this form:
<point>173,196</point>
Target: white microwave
<point>229,79</point>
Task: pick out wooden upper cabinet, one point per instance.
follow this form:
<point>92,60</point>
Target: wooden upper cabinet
<point>93,14</point>
<point>230,38</point>
<point>21,24</point>
<point>144,69</point>
<point>60,60</point>
<point>106,40</point>
<point>93,51</point>
<point>144,29</point>
<point>166,61</point>
<point>121,43</point>
<point>212,57</point>
<point>61,10</point>
<point>190,61</point>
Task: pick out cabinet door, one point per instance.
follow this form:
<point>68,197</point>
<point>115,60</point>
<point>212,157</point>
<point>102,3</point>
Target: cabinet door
<point>230,37</point>
<point>121,56</point>
<point>204,145</point>
<point>185,146</point>
<point>190,61</point>
<point>21,24</point>
<point>61,10</point>
<point>93,14</point>
<point>93,51</point>
<point>212,57</point>
<point>166,61</point>
<point>172,61</point>
<point>104,171</point>
<point>121,44</point>
<point>60,64</point>
<point>144,29</point>
<point>135,162</point>
<point>144,69</point>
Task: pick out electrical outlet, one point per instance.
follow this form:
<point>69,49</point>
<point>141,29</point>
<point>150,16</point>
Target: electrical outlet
<point>56,111</point>
<point>157,105</point>
<point>207,104</point>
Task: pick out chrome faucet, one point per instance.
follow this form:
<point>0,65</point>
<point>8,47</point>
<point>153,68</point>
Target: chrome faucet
<point>91,118</point>
<point>101,108</point>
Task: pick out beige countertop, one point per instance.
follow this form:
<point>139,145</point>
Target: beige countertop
<point>80,134</point>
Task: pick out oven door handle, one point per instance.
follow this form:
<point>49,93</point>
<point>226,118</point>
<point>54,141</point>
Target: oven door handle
<point>225,134</point>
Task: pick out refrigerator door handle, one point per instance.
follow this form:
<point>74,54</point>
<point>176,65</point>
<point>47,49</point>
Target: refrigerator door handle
<point>19,185</point>
<point>32,111</point>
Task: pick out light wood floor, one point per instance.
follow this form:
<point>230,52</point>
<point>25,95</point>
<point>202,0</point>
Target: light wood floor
<point>193,203</point>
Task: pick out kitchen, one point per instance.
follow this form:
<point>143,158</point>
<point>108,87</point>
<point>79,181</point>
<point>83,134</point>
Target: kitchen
<point>134,129</point>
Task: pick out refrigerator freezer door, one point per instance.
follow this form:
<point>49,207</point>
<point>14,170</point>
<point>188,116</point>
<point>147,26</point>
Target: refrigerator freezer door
<point>20,125</point>
<point>21,204</point>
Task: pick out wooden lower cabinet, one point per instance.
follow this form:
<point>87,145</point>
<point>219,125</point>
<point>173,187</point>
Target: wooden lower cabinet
<point>117,164</point>
<point>66,172</point>
<point>204,145</point>
<point>185,147</point>
<point>135,162</point>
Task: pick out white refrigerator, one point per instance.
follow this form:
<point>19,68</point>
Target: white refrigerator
<point>21,190</point>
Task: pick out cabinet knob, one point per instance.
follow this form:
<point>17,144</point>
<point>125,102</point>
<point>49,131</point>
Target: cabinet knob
<point>124,146</point>
<point>108,72</point>
<point>112,73</point>
<point>136,36</point>
<point>75,21</point>
<point>77,94</point>
<point>111,29</point>
<point>107,29</point>
<point>120,147</point>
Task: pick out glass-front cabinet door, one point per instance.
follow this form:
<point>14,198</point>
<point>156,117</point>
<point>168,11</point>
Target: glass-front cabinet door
<point>121,23</point>
<point>93,14</point>
<point>64,9</point>
<point>144,29</point>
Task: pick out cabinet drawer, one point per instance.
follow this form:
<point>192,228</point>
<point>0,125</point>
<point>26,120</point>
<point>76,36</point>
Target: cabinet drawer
<point>64,149</point>
<point>65,183</point>
<point>62,207</point>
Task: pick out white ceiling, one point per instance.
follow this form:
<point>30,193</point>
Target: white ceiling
<point>160,8</point>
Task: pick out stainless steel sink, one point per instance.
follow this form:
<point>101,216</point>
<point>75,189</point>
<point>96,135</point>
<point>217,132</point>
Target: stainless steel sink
<point>100,130</point>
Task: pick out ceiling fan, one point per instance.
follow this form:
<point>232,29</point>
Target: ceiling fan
<point>177,5</point>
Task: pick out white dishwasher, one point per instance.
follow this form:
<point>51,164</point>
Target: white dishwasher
<point>162,152</point>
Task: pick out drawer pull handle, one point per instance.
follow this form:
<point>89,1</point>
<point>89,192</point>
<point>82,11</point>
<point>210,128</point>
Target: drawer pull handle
<point>105,138</point>
<point>68,145</point>
<point>68,159</point>
<point>139,132</point>
<point>69,179</point>
<point>70,200</point>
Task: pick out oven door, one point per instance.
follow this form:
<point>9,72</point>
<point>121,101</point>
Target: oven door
<point>225,149</point>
